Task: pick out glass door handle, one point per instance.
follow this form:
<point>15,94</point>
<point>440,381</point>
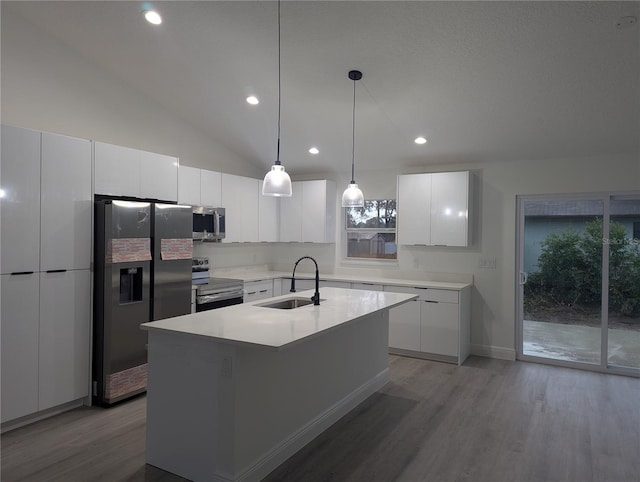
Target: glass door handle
<point>523,277</point>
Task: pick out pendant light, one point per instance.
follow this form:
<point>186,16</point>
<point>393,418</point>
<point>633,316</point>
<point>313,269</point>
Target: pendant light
<point>352,197</point>
<point>277,182</point>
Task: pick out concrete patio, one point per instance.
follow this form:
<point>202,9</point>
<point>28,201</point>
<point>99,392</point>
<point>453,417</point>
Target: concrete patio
<point>580,343</point>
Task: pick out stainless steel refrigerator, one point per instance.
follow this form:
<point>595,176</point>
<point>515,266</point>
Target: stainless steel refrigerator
<point>143,253</point>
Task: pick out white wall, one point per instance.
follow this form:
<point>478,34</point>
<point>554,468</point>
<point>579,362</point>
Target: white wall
<point>46,86</point>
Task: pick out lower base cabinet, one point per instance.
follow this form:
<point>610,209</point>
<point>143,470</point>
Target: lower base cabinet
<point>20,325</point>
<point>404,326</point>
<point>46,320</point>
<point>63,374</point>
<point>436,325</point>
<point>258,290</point>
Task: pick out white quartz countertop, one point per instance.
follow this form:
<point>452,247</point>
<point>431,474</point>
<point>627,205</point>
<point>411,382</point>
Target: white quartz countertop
<point>248,275</point>
<point>252,324</point>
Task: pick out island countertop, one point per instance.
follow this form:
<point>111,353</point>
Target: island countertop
<point>277,329</point>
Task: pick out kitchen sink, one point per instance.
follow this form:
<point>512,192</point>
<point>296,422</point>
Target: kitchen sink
<point>288,303</point>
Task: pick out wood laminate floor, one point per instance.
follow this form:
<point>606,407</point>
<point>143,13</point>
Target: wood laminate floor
<point>487,421</point>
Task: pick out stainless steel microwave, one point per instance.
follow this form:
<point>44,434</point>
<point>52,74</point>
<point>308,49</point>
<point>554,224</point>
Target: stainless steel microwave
<point>208,223</point>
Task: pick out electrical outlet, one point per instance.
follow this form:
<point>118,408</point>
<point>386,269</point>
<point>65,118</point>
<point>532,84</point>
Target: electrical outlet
<point>488,263</point>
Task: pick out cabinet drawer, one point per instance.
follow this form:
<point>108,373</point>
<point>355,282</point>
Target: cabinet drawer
<point>261,286</point>
<point>367,286</point>
<point>444,296</point>
<point>426,294</point>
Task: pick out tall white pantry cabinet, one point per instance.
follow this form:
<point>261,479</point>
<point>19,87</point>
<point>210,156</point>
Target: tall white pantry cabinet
<point>46,252</point>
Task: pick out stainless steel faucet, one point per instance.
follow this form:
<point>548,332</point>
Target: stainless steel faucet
<point>316,297</point>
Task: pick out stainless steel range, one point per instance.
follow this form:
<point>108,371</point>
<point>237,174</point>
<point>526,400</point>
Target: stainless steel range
<point>212,293</point>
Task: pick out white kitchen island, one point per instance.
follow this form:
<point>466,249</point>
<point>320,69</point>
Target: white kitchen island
<point>233,392</point>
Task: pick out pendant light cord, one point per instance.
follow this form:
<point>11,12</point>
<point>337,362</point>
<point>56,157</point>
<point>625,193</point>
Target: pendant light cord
<point>279,89</point>
<point>353,136</point>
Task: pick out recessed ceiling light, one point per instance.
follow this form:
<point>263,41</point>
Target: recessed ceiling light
<point>253,100</point>
<point>153,17</point>
<point>314,150</point>
<point>420,140</point>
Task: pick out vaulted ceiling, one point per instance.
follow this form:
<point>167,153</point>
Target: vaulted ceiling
<point>482,81</point>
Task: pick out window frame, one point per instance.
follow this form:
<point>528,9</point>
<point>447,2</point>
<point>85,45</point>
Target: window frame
<point>366,260</point>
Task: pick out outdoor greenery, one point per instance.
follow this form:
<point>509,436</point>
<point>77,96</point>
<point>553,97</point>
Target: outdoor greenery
<point>376,214</point>
<point>570,271</point>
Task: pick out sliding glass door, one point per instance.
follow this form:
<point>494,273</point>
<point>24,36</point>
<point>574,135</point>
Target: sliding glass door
<point>623,243</point>
<point>578,297</point>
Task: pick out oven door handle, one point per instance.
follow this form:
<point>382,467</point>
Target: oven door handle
<point>213,297</point>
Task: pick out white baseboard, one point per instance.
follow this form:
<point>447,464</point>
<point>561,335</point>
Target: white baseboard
<point>494,352</point>
<point>36,417</point>
<point>281,452</point>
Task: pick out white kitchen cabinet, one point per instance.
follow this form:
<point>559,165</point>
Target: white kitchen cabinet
<point>20,322</point>
<point>437,325</point>
<point>404,326</point>
<point>450,208</point>
<point>210,188</point>
<point>309,215</point>
<point>404,322</point>
<point>66,205</point>
<point>64,337</point>
<point>158,176</point>
<point>123,171</point>
<point>258,290</point>
<point>366,286</point>
<point>240,200</point>
<point>433,209</point>
<point>189,185</point>
<point>301,284</point>
<point>334,284</point>
<point>20,206</point>
<point>318,212</point>
<point>199,187</point>
<point>116,170</point>
<point>414,207</point>
<point>57,236</point>
<point>291,215</point>
<point>268,217</point>
<point>310,284</point>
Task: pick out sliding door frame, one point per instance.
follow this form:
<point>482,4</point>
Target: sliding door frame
<point>520,279</point>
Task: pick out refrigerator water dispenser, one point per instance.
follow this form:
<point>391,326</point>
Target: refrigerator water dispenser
<point>131,280</point>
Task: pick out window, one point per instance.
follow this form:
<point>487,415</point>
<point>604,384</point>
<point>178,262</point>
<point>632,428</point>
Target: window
<point>371,230</point>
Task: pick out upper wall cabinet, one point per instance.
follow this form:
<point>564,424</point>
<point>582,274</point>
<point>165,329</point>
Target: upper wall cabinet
<point>291,215</point>
<point>66,206</point>
<point>309,215</point>
<point>189,186</point>
<point>199,187</point>
<point>46,210</point>
<point>20,207</point>
<point>122,171</point>
<point>414,208</point>
<point>433,209</point>
<point>268,217</point>
<point>210,188</point>
<point>240,200</point>
<point>158,176</point>
<point>450,208</point>
<point>318,212</point>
